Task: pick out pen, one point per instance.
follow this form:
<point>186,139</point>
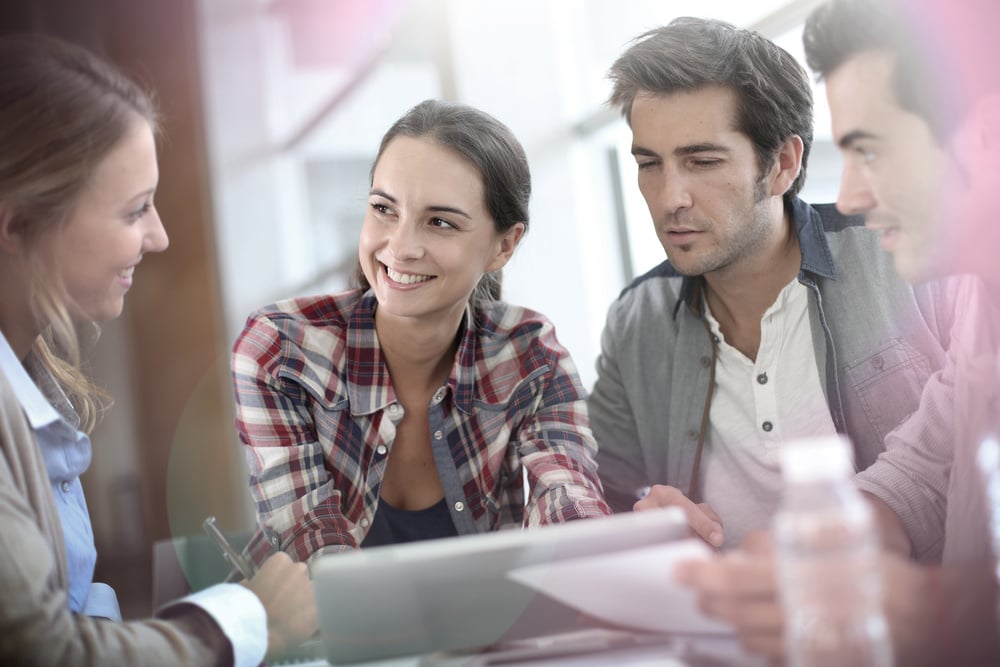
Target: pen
<point>228,552</point>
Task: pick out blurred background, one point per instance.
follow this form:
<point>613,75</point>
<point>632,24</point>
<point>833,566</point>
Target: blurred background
<point>273,110</point>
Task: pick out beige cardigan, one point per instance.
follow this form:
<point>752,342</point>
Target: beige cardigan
<point>36,626</point>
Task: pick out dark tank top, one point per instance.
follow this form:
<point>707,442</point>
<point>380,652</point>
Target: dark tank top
<point>395,526</point>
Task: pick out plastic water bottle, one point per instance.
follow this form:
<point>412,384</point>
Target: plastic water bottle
<point>828,560</point>
<point>988,460</point>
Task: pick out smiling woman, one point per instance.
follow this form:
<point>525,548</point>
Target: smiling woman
<point>410,407</point>
<point>77,176</point>
<point>114,225</point>
<point>427,242</point>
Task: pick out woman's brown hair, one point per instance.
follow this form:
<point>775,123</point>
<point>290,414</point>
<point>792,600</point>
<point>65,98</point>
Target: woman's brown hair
<point>62,111</point>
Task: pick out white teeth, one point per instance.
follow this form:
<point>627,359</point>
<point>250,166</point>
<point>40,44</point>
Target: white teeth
<point>405,278</point>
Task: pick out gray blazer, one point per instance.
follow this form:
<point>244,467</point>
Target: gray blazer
<point>36,626</point>
<point>876,338</point>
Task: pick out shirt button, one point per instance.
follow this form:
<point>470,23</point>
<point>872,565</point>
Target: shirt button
<point>381,450</point>
<point>762,378</point>
<point>693,434</point>
<point>715,339</point>
<point>275,542</point>
<point>438,435</point>
<point>438,395</point>
<point>365,522</point>
<point>394,410</point>
<point>767,426</point>
<point>878,363</point>
<point>706,362</point>
<point>459,506</point>
<point>65,486</point>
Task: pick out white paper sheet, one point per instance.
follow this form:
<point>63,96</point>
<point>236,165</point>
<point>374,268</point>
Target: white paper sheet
<point>634,587</point>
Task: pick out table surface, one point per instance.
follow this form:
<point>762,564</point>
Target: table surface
<point>585,648</point>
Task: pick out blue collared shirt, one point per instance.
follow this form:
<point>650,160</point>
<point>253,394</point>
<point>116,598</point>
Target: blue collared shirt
<point>67,453</point>
<point>67,456</point>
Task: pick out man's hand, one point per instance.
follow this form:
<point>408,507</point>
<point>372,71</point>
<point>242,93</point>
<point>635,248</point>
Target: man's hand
<point>913,609</point>
<point>286,592</point>
<point>931,613</point>
<point>704,522</point>
<point>739,588</point>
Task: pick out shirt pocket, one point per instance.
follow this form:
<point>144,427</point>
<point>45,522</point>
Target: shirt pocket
<point>503,505</point>
<point>492,471</point>
<point>496,425</point>
<point>888,384</point>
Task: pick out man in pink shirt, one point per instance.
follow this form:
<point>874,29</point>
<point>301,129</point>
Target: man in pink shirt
<point>915,106</point>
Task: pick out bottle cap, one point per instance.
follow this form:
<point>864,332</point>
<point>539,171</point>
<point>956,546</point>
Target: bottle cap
<point>988,456</point>
<point>816,459</point>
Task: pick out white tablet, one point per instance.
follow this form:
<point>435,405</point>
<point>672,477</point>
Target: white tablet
<point>453,593</point>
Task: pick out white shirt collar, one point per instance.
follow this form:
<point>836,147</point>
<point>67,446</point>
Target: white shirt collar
<point>38,410</point>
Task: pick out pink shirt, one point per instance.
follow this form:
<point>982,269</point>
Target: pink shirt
<point>928,474</point>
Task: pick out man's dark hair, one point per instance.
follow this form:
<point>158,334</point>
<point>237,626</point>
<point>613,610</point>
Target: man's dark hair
<point>840,29</point>
<point>774,98</point>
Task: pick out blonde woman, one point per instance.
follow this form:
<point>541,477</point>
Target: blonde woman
<point>77,178</point>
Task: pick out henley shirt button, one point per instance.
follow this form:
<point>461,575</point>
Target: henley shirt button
<point>438,435</point>
<point>381,450</point>
<point>762,378</point>
<point>65,486</point>
<point>878,362</point>
<point>459,506</point>
<point>706,362</point>
<point>767,426</point>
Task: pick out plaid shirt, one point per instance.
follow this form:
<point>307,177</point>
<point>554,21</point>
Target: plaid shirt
<point>317,409</point>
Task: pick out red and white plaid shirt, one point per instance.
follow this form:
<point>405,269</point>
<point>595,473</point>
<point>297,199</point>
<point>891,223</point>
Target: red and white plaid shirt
<point>317,409</point>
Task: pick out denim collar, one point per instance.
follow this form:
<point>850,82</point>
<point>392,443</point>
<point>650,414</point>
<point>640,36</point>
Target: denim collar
<point>817,259</point>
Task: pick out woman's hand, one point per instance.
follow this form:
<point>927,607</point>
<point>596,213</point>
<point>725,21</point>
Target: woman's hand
<point>285,590</point>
